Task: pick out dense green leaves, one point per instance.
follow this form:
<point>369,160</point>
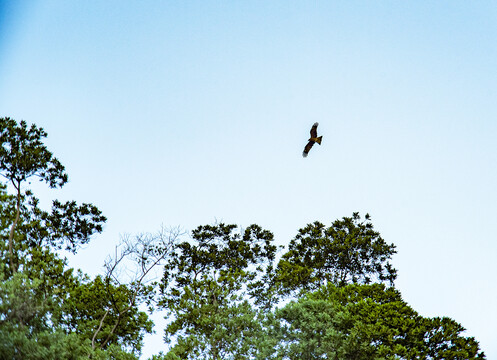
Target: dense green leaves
<point>67,223</point>
<point>23,154</point>
<point>231,331</point>
<point>98,304</point>
<point>204,290</point>
<point>364,322</point>
<point>313,329</point>
<point>349,251</point>
<point>27,325</point>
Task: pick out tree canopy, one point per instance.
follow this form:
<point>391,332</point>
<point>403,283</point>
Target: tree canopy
<point>348,251</point>
<point>331,295</point>
<point>363,322</point>
<point>206,295</point>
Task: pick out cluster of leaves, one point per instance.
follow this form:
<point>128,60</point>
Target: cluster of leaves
<point>348,251</point>
<point>362,322</point>
<point>205,291</point>
<point>31,324</point>
<point>23,154</point>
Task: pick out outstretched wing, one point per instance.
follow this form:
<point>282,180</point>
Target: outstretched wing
<point>314,130</point>
<point>307,148</point>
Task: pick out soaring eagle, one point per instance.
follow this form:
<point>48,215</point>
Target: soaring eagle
<point>314,139</point>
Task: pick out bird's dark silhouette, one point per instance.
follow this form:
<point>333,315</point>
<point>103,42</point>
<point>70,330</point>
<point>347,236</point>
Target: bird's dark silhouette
<point>313,139</point>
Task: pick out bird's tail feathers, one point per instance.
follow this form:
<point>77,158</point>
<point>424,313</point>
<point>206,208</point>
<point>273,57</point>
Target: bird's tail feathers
<point>318,140</point>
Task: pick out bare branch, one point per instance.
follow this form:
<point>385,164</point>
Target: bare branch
<point>146,252</point>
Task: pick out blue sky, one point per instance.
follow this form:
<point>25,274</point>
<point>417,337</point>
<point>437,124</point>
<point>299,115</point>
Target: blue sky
<point>188,112</point>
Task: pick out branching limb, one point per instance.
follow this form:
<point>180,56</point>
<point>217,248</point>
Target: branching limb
<point>146,252</point>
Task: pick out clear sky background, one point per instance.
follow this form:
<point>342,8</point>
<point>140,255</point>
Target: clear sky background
<point>187,112</point>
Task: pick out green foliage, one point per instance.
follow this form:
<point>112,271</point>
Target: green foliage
<point>17,344</point>
<point>98,304</point>
<point>67,223</point>
<point>46,309</point>
<point>228,332</point>
<point>313,329</point>
<point>363,322</point>
<point>349,251</point>
<point>26,327</point>
<point>204,290</point>
<point>21,302</point>
<point>443,340</point>
<point>23,154</point>
<point>113,352</point>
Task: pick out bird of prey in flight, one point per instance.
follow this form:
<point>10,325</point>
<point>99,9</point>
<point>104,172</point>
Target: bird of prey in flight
<point>314,139</point>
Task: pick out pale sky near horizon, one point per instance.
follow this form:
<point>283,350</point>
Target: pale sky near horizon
<point>186,113</point>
